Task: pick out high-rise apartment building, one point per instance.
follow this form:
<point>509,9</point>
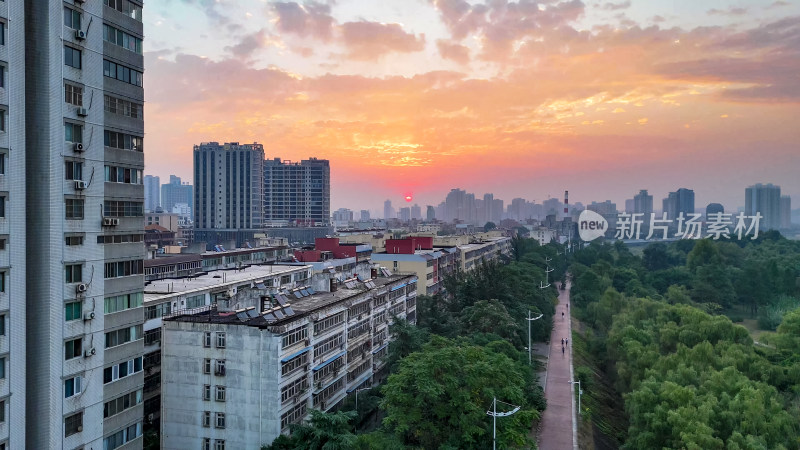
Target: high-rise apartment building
<point>388,210</point>
<point>786,212</point>
<point>364,215</point>
<point>175,193</point>
<point>643,203</point>
<point>766,200</point>
<point>679,202</point>
<point>430,213</point>
<point>152,193</point>
<point>229,191</point>
<point>297,194</point>
<point>71,362</point>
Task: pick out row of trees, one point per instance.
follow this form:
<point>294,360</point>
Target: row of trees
<point>466,349</point>
<point>691,379</point>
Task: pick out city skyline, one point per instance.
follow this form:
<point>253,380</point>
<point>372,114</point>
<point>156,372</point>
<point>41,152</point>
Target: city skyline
<point>511,98</point>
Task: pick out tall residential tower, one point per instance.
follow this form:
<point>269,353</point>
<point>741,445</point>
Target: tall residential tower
<point>81,360</point>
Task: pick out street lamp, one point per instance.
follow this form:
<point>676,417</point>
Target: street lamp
<point>580,392</point>
<point>531,319</point>
<point>359,390</point>
<point>495,415</point>
<point>548,270</point>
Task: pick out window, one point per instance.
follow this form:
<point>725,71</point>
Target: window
<point>219,444</point>
<point>121,73</point>
<point>2,367</point>
<point>73,348</point>
<point>122,436</point>
<point>220,420</point>
<point>122,141</point>
<point>72,57</point>
<point>2,120</point>
<point>122,302</point>
<point>122,39</point>
<point>207,366</point>
<point>73,94</point>
<point>195,302</point>
<point>73,132</point>
<point>73,424</point>
<point>2,324</point>
<point>123,107</point>
<point>73,170</point>
<point>206,392</point>
<point>159,310</point>
<point>73,311</point>
<point>219,369</point>
<point>72,386</point>
<point>124,268</point>
<point>2,76</point>
<point>2,411</point>
<point>220,394</point>
<point>122,370</point>
<point>220,340</point>
<point>73,240</point>
<point>206,418</point>
<point>113,208</point>
<point>74,273</point>
<point>2,162</point>
<point>72,18</point>
<point>2,281</point>
<point>126,7</point>
<point>206,444</point>
<point>73,208</point>
<point>207,339</point>
<point>123,336</point>
<point>2,206</point>
<point>2,33</point>
<point>114,174</point>
<point>122,403</point>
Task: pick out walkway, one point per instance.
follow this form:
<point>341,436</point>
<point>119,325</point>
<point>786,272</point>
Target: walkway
<point>557,430</point>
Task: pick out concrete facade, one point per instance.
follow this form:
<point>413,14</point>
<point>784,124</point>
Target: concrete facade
<point>297,194</point>
<point>275,371</point>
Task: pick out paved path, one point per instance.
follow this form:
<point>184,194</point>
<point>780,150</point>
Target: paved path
<point>557,430</point>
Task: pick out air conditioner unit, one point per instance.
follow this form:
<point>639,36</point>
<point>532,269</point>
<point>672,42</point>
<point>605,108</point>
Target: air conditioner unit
<point>83,112</point>
<point>80,428</point>
<point>107,221</point>
<point>81,288</point>
<point>80,35</point>
<point>135,148</point>
<point>114,221</point>
<point>78,147</point>
<point>89,315</point>
<point>80,185</point>
<point>89,352</point>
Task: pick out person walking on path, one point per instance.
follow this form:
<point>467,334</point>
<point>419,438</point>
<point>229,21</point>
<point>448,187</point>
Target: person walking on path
<point>562,342</point>
<point>567,339</point>
<point>562,315</point>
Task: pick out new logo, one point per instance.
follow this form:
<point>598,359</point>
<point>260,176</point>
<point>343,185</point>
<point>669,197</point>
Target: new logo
<point>591,225</point>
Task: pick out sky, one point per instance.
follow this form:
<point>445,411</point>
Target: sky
<point>518,98</point>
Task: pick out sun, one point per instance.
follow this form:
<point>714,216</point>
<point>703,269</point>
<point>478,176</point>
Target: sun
<point>409,197</point>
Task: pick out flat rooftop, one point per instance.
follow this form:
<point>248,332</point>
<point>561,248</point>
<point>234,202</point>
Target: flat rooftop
<point>157,289</point>
<point>297,307</point>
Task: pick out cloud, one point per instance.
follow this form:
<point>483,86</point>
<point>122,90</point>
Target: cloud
<point>310,19</point>
<point>453,51</point>
<point>371,40</point>
<point>615,6</point>
<point>731,11</point>
<point>249,43</point>
<point>211,8</point>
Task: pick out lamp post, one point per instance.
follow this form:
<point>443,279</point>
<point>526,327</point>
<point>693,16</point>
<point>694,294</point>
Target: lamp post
<point>580,392</point>
<point>495,415</point>
<point>531,319</point>
<point>548,270</point>
<point>357,391</point>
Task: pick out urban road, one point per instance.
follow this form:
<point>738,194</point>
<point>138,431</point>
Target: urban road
<point>558,429</point>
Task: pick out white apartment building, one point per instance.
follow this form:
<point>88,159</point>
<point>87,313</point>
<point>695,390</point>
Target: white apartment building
<point>237,379</point>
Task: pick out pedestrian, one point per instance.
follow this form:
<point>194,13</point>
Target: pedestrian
<point>562,342</point>
<point>567,341</point>
<point>567,305</point>
<point>562,349</point>
<point>562,315</point>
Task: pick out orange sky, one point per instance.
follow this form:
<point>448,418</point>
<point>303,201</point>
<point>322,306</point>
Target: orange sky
<point>518,98</point>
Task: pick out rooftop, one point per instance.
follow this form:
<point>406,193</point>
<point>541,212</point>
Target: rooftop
<point>218,278</point>
<point>291,307</point>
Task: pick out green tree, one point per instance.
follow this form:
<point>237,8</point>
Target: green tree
<point>490,316</point>
<point>325,431</point>
<point>489,226</point>
<point>438,397</point>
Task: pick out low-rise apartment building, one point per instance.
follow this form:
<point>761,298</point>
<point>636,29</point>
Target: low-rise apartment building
<point>237,378</point>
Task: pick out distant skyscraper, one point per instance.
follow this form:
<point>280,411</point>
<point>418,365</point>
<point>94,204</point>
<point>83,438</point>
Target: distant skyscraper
<point>342,217</point>
<point>152,193</point>
<point>454,205</point>
<point>629,205</point>
<point>497,210</point>
<point>229,196</point>
<point>766,200</point>
<point>405,214</point>
<point>643,203</point>
<point>488,208</point>
<point>430,214</point>
<point>176,192</point>
<point>364,215</point>
<point>714,208</point>
<point>680,201</point>
<point>388,210</point>
<point>786,212</point>
<point>297,193</point>
<point>416,212</point>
